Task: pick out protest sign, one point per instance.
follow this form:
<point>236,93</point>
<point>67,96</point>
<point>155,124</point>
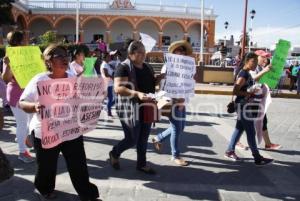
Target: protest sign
<point>72,107</point>
<point>148,42</point>
<point>278,61</point>
<point>25,63</point>
<point>180,73</point>
<point>89,63</point>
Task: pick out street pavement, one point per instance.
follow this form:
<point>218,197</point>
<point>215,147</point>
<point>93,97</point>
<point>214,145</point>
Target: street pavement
<point>209,177</point>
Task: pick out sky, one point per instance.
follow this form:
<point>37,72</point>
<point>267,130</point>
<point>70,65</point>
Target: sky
<point>274,19</point>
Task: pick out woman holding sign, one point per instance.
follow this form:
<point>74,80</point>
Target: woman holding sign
<point>13,92</point>
<point>246,116</point>
<point>56,58</point>
<point>133,80</point>
<point>177,118</point>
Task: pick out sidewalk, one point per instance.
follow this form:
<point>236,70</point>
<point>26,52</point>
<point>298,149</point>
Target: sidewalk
<point>222,89</point>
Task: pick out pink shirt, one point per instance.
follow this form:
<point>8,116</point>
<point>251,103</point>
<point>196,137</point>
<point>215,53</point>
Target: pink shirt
<point>13,91</point>
<point>102,46</point>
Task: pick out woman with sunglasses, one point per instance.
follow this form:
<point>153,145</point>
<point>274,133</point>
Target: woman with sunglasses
<point>56,59</point>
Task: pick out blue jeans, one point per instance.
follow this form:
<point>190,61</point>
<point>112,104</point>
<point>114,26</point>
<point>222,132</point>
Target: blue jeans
<point>138,135</point>
<point>110,97</point>
<point>244,124</point>
<point>177,123</point>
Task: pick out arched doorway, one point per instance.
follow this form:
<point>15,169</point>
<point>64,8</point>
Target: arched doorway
<point>150,28</point>
<point>93,30</point>
<point>21,23</point>
<point>121,29</point>
<point>194,32</point>
<point>38,27</point>
<point>66,28</point>
<point>172,31</point>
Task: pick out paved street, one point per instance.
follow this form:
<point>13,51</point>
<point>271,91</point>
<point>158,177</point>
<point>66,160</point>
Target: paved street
<point>209,177</point>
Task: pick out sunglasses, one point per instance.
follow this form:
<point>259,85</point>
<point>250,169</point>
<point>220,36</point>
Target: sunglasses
<point>60,56</point>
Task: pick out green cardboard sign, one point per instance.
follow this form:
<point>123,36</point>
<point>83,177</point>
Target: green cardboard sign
<point>89,63</point>
<point>278,61</point>
<point>25,63</point>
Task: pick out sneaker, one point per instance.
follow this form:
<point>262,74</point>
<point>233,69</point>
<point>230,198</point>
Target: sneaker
<point>231,155</point>
<point>263,161</point>
<point>273,147</point>
<point>180,161</point>
<point>239,145</point>
<point>157,145</point>
<point>25,157</point>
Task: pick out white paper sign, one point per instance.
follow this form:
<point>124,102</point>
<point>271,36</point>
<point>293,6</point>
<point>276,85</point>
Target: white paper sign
<point>180,73</point>
<point>148,42</point>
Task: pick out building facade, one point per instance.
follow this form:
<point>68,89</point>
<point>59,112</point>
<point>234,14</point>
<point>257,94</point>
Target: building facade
<point>115,20</point>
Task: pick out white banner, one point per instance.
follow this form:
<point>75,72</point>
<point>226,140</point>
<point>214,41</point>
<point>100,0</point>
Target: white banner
<point>180,73</point>
<point>148,42</point>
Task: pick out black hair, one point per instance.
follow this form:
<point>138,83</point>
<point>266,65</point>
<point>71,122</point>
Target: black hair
<point>245,59</point>
<point>76,52</point>
<point>250,55</point>
<point>15,38</point>
<point>49,52</point>
<point>134,46</point>
<point>127,42</point>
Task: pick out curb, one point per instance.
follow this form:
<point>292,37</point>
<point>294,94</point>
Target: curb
<point>229,93</point>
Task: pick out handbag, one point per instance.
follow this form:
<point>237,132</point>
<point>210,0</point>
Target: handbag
<point>231,107</point>
<point>150,112</point>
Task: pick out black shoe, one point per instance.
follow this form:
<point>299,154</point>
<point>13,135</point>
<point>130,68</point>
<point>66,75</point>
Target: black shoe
<point>114,162</point>
<point>147,170</point>
<point>263,161</point>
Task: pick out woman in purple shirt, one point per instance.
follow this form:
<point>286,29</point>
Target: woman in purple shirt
<point>13,93</point>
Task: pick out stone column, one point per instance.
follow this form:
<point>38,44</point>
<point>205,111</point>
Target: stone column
<point>135,35</point>
<point>81,36</point>
<point>186,35</point>
<point>26,36</point>
<point>160,36</point>
<point>107,37</point>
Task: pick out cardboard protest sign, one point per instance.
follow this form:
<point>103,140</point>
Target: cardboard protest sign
<point>72,108</point>
<point>25,63</point>
<point>89,63</point>
<point>180,73</point>
<point>278,61</point>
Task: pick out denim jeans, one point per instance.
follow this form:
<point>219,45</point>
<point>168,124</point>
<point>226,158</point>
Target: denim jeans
<point>244,124</point>
<point>177,123</point>
<point>110,98</point>
<point>137,135</point>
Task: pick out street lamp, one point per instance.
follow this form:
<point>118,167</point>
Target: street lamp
<point>226,24</point>
<point>252,14</point>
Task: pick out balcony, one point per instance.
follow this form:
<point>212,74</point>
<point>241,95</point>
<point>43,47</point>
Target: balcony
<point>93,6</point>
